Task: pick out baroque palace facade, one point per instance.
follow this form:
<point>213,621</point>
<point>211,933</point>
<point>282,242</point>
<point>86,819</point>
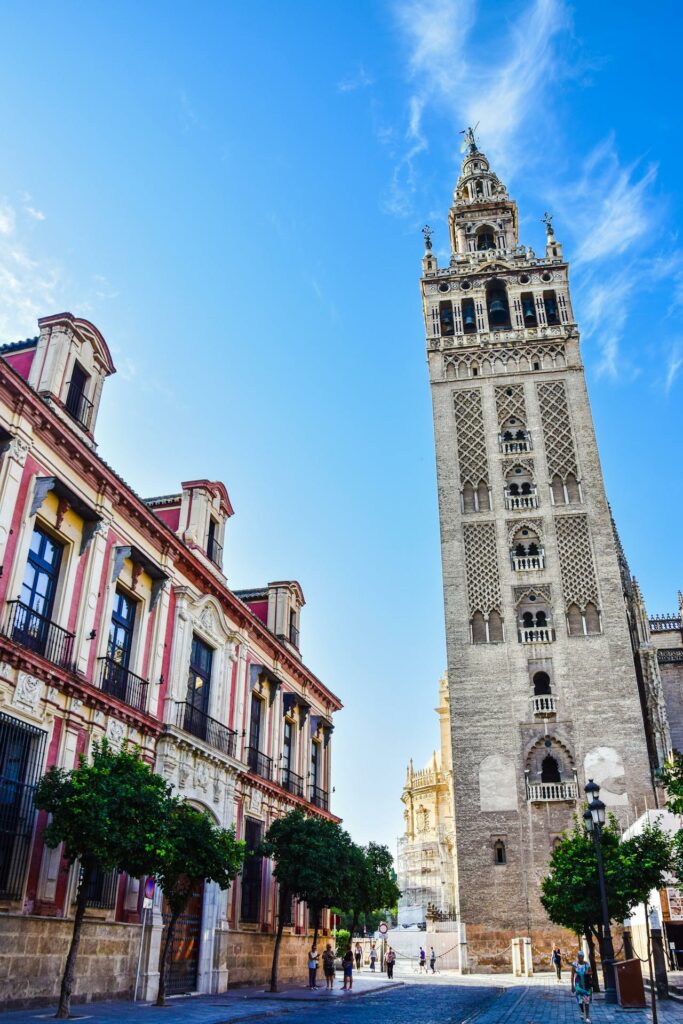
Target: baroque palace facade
<point>544,692</point>
<point>117,621</point>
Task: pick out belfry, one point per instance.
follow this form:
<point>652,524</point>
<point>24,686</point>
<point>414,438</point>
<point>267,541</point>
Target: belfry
<point>543,690</point>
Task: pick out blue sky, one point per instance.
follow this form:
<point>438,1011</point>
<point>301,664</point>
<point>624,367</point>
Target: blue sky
<point>233,193</point>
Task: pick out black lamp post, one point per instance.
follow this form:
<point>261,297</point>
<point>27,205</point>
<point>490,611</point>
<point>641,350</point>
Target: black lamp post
<point>594,819</point>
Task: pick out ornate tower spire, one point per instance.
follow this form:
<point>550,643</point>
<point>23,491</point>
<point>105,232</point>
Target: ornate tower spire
<point>482,217</point>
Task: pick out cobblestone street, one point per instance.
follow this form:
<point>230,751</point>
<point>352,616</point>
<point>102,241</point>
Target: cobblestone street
<point>444,999</point>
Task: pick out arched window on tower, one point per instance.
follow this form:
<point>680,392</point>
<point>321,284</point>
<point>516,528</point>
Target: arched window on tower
<point>468,503</point>
<point>520,489</point>
<point>557,488</point>
<point>527,552</point>
<point>534,620</point>
<point>495,627</point>
<point>483,500</point>
<point>514,437</point>
<point>485,238</point>
<point>478,628</point>
<point>574,620</point>
<point>550,303</point>
<point>550,770</point>
<point>499,853</point>
<point>541,683</point>
<point>529,310</point>
<point>469,320</point>
<point>497,305</point>
<point>592,618</point>
<point>446,319</point>
<point>573,490</point>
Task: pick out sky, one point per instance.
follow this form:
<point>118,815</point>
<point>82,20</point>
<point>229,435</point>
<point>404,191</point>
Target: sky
<point>233,193</point>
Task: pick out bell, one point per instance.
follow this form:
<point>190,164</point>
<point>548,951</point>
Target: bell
<point>468,318</point>
<point>497,312</point>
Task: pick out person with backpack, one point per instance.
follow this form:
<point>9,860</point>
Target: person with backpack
<point>582,986</point>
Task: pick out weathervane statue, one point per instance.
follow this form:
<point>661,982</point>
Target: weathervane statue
<point>469,141</point>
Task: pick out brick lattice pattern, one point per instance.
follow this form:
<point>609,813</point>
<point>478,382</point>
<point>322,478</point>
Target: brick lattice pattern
<point>579,582</point>
<point>481,564</point>
<point>557,428</point>
<point>469,423</point>
<point>510,403</point>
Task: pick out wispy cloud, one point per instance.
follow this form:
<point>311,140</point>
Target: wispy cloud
<point>674,364</point>
<point>28,285</point>
<point>7,218</point>
<point>360,80</point>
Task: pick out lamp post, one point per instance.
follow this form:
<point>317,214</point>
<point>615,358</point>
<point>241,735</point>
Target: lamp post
<point>594,819</point>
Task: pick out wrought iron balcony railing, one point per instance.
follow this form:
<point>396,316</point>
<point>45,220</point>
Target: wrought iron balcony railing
<point>79,407</point>
<point>544,792</point>
<point>543,705</point>
<point>320,798</point>
<point>197,723</point>
<point>259,763</point>
<point>292,782</point>
<point>515,447</point>
<point>36,633</point>
<point>119,681</point>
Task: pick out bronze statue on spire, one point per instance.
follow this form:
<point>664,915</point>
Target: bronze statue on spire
<point>470,139</point>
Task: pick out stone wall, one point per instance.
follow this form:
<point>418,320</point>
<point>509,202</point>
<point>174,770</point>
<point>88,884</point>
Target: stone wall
<point>489,950</point>
<point>33,952</point>
<point>250,957</point>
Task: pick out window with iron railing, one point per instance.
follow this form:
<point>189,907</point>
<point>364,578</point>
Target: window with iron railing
<point>21,759</point>
<point>77,405</point>
<point>252,871</point>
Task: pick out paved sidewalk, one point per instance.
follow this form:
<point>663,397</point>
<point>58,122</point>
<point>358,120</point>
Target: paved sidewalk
<point>238,1004</point>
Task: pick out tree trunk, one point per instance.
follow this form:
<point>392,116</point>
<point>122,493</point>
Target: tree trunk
<point>591,959</point>
<point>64,1008</point>
<point>316,925</point>
<point>284,898</point>
<point>354,922</point>
<point>163,963</point>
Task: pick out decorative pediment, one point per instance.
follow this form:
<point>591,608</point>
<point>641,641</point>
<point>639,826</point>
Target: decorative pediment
<point>543,594</point>
<point>211,620</point>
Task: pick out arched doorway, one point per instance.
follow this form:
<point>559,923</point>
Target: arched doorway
<point>183,961</point>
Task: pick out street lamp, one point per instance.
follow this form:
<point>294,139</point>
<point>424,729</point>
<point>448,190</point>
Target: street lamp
<point>594,819</point>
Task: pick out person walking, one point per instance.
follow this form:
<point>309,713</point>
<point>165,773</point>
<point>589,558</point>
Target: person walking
<point>557,961</point>
<point>390,960</point>
<point>328,967</point>
<point>347,966</point>
<point>312,967</point>
<point>373,957</point>
<point>423,961</point>
<point>432,959</point>
<point>582,986</point>
<point>359,955</point>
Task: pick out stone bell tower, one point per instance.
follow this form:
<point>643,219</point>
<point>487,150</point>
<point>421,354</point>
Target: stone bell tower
<point>543,691</point>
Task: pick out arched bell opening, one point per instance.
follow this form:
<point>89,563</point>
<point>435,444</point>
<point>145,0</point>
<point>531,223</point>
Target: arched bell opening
<point>497,305</point>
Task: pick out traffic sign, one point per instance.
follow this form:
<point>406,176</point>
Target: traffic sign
<point>383,928</point>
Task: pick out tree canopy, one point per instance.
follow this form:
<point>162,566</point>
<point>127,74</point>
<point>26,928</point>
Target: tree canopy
<point>371,885</point>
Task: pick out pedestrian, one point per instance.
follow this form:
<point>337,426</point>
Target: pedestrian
<point>347,965</point>
<point>582,986</point>
<point>328,967</point>
<point>557,961</point>
<point>373,957</point>
<point>390,960</point>
<point>359,955</point>
<point>312,967</point>
<point>423,961</point>
<point>432,960</point>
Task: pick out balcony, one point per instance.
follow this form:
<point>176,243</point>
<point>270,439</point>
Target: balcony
<point>258,763</point>
<point>191,719</point>
<point>292,782</point>
<point>515,447</point>
<point>78,407</point>
<point>37,633</point>
<point>320,798</point>
<point>528,563</point>
<point>521,501</point>
<point>543,706</point>
<point>215,552</point>
<point>292,637</point>
<point>547,792</point>
<point>536,635</point>
<point>120,682</point>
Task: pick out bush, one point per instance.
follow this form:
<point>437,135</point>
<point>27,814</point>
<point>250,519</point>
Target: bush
<point>343,938</point>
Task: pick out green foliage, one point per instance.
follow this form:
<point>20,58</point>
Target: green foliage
<point>311,857</point>
<point>110,812</point>
<point>343,937</point>
<point>195,850</point>
<point>371,885</point>
<point>671,776</point>
<point>570,892</point>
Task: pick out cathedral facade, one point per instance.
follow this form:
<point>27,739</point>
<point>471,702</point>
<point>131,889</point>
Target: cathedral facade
<point>543,690</point>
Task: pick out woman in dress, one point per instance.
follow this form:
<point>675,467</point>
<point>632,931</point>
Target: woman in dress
<point>328,967</point>
<point>582,986</point>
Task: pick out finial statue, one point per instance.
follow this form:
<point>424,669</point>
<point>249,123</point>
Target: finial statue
<point>469,141</point>
<point>427,232</point>
<point>548,221</point>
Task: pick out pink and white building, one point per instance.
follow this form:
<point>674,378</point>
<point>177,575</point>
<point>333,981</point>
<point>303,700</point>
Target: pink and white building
<point>116,620</point>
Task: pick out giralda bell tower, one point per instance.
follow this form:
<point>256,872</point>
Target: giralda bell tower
<point>542,683</point>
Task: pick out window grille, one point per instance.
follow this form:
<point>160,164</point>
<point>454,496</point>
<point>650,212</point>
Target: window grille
<point>21,758</point>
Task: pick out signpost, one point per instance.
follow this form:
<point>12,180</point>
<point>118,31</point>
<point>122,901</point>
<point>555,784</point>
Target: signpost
<point>147,901</point>
<point>383,928</point>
